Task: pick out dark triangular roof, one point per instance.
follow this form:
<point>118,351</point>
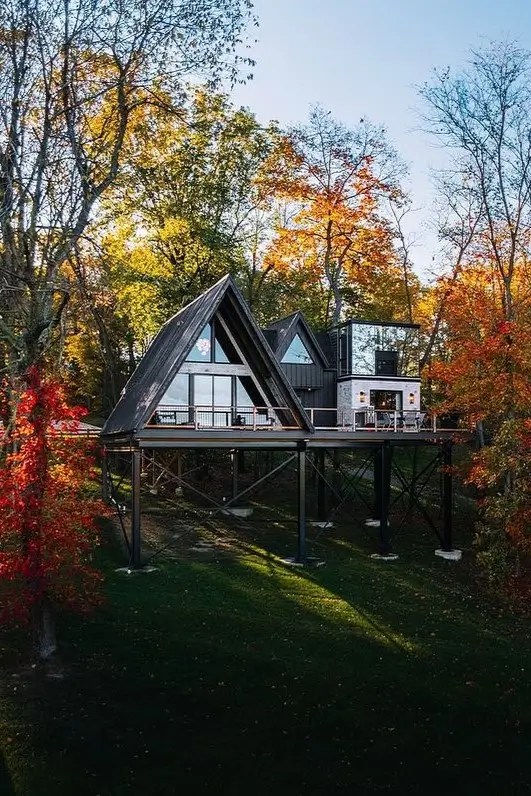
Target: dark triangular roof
<point>171,345</point>
<point>286,329</point>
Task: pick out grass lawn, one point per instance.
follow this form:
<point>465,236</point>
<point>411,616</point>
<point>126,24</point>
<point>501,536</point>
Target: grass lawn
<point>238,675</point>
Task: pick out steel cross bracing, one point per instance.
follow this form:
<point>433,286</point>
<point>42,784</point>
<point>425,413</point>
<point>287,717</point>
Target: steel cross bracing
<point>414,489</point>
<point>351,479</point>
<point>110,490</point>
<point>209,515</point>
<point>344,495</point>
<point>148,472</point>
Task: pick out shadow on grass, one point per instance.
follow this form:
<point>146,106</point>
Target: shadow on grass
<point>247,677</point>
<point>218,679</point>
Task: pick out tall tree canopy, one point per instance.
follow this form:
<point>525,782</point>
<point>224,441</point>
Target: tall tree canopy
<point>484,117</point>
<point>181,214</point>
<point>333,229</point>
<point>72,75</point>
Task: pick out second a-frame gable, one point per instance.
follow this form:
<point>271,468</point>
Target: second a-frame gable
<point>287,330</point>
<point>210,355</point>
<point>299,353</point>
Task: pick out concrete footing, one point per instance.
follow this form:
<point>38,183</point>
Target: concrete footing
<point>309,561</point>
<point>238,511</point>
<point>388,557</point>
<point>140,570</point>
<point>449,555</point>
<point>372,523</point>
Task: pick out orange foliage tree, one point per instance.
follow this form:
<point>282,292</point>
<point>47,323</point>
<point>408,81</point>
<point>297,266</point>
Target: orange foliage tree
<point>331,234</point>
<point>486,363</point>
<point>485,375</point>
<point>483,115</point>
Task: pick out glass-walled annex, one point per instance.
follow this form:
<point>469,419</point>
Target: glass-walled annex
<point>378,349</point>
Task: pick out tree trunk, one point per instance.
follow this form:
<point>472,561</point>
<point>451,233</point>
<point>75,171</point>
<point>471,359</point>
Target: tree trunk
<point>43,630</point>
<point>481,434</point>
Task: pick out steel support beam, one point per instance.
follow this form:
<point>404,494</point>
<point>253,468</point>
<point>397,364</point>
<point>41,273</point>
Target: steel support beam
<point>301,504</point>
<point>321,484</point>
<point>377,481</point>
<point>447,495</point>
<point>235,463</point>
<point>105,486</point>
<point>136,469</point>
<point>385,494</point>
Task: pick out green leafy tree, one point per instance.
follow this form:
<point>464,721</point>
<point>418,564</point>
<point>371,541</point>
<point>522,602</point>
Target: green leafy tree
<point>72,77</point>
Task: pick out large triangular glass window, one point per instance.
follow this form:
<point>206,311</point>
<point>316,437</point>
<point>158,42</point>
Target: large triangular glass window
<point>297,353</point>
<point>202,348</point>
<point>212,347</point>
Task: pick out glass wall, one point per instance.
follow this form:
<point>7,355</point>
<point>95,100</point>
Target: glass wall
<point>297,353</point>
<point>218,401</point>
<point>367,339</point>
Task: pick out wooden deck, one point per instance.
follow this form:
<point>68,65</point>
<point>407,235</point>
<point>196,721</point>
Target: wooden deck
<point>273,438</point>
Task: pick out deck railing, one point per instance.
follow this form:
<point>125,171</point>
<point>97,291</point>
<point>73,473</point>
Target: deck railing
<point>200,416</point>
<point>376,419</point>
<point>255,418</point>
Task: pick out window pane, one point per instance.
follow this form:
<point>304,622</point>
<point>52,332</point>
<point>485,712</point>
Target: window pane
<point>202,348</point>
<point>386,400</point>
<point>175,396</point>
<point>297,353</point>
<point>203,390</point>
<point>222,390</point>
<point>368,340</point>
<point>224,350</point>
<point>364,343</point>
<point>177,392</point>
<point>220,355</point>
<point>242,396</point>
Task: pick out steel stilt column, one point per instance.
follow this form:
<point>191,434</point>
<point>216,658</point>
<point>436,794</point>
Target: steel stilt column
<point>385,494</point>
<point>321,485</point>
<point>235,461</point>
<point>447,495</point>
<point>301,504</point>
<point>105,486</point>
<point>377,482</point>
<point>135,508</point>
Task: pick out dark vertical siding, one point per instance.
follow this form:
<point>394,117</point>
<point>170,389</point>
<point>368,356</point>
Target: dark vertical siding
<point>333,337</point>
<point>321,398</point>
<point>303,375</point>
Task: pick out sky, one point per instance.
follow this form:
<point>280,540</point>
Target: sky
<point>366,59</point>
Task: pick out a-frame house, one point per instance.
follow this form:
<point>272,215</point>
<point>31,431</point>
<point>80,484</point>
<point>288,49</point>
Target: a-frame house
<point>209,367</point>
<point>207,380</point>
<point>212,379</point>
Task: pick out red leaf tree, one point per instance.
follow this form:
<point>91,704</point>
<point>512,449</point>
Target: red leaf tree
<point>48,521</point>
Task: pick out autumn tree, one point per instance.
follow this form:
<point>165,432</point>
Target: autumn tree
<point>333,230</point>
<point>483,116</point>
<point>71,77</point>
<point>48,521</point>
<point>191,195</point>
